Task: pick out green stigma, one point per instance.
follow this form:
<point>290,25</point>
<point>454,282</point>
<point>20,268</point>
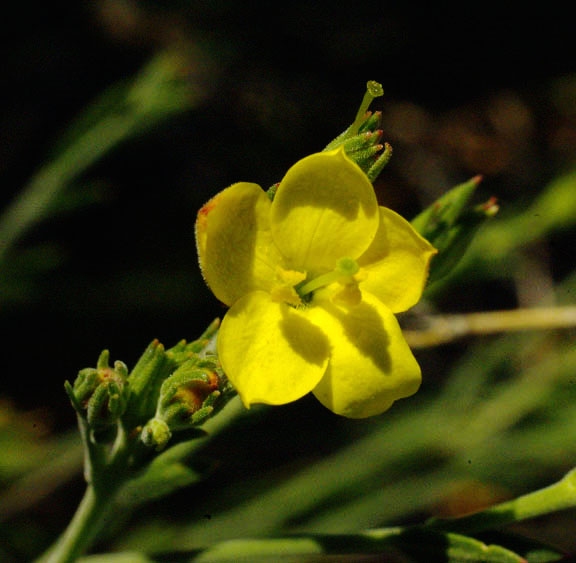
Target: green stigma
<point>347,266</point>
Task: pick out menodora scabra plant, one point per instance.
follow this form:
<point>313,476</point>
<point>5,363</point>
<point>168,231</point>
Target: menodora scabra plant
<point>313,271</point>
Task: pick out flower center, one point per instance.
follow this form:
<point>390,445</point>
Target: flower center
<point>344,272</point>
<point>283,290</point>
<point>291,287</point>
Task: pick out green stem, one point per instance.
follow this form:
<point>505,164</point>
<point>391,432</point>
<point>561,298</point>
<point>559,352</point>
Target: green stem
<point>559,496</point>
<point>104,480</point>
<point>89,519</point>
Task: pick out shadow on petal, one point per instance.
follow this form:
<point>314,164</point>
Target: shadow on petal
<point>326,181</point>
<point>305,338</point>
<point>363,327</point>
<point>270,352</point>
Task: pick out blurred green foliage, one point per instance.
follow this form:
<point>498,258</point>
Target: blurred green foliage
<point>97,251</point>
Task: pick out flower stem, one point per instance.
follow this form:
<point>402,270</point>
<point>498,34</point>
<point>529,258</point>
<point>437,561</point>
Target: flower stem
<point>559,496</point>
<point>89,519</point>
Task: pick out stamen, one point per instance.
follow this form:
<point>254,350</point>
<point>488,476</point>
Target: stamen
<point>283,291</point>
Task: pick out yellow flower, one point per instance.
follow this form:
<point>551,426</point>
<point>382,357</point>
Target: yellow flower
<point>313,279</point>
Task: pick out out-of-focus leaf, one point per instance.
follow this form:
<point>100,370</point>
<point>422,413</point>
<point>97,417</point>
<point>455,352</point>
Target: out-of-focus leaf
<point>395,544</point>
<point>170,471</point>
<point>422,546</point>
<point>162,89</point>
<point>126,557</point>
<point>33,469</point>
<point>533,551</point>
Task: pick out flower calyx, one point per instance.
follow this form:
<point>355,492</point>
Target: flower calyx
<point>187,399</point>
<point>362,140</point>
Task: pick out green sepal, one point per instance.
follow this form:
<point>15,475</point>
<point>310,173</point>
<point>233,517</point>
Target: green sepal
<point>203,414</point>
<point>378,165</point>
<point>96,409</point>
<point>361,140</point>
<point>365,157</point>
<point>103,360</point>
<point>451,225</point>
<point>373,90</point>
<point>365,148</point>
<point>186,350</point>
<point>371,123</point>
<point>117,399</point>
<point>85,384</point>
<point>72,396</point>
<point>145,380</point>
<point>271,191</point>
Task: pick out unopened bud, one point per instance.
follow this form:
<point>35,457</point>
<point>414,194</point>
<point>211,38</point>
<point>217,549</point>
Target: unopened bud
<point>156,434</point>
<point>100,394</point>
<point>450,224</point>
<point>187,399</point>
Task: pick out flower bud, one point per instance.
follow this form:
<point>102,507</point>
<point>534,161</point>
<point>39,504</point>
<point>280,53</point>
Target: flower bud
<point>153,367</point>
<point>450,225</point>
<point>156,433</point>
<point>187,399</point>
<point>100,394</point>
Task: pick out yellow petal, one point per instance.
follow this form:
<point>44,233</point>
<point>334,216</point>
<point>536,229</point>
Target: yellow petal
<point>235,247</point>
<point>371,364</point>
<point>397,263</point>
<point>325,208</point>
<point>270,352</point>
